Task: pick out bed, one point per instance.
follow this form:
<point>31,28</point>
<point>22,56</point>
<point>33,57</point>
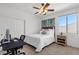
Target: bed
<point>39,41</point>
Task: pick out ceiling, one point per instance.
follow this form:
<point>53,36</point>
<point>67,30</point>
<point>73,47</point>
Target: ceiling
<point>27,7</point>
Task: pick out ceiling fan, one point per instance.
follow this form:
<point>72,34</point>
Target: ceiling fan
<point>43,9</point>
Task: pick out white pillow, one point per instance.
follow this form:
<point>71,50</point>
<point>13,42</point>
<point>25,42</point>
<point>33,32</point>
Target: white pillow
<point>50,31</point>
<point>44,31</point>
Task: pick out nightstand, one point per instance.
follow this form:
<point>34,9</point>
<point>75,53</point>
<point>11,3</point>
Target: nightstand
<point>61,40</point>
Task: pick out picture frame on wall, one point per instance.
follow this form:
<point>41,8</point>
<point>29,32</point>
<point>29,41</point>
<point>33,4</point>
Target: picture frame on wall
<point>48,22</point>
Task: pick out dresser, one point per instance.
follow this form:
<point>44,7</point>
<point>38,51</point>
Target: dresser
<point>61,40</point>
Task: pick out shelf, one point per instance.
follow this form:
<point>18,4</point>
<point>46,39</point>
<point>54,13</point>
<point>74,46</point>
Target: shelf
<point>60,43</point>
<point>61,40</point>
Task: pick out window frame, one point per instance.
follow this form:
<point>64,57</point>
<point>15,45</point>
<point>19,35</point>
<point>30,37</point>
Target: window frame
<point>66,15</point>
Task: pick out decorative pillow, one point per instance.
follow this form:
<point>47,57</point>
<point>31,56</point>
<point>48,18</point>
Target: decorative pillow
<point>50,31</point>
<point>43,31</point>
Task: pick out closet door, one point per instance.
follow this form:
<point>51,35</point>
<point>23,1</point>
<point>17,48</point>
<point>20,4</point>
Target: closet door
<point>3,26</point>
<point>15,26</point>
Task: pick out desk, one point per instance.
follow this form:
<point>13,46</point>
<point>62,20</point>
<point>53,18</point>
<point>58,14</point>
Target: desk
<point>12,45</point>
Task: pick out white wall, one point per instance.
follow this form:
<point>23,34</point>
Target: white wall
<point>73,40</point>
<point>32,22</point>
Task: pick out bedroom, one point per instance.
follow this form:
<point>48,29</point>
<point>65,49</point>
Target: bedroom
<point>20,19</point>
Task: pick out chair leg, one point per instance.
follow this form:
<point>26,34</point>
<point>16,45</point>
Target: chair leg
<point>22,53</point>
<point>8,52</point>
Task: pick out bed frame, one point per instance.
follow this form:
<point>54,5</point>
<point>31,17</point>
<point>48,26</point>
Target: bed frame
<point>53,27</point>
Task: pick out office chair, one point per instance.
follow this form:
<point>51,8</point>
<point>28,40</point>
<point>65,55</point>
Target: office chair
<point>22,37</point>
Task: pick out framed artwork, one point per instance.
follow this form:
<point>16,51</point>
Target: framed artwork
<point>48,22</point>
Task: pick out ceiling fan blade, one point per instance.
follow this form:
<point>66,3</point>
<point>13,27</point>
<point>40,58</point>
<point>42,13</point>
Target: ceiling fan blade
<point>36,12</point>
<point>50,9</point>
<point>36,7</point>
<point>42,4</point>
<point>46,6</point>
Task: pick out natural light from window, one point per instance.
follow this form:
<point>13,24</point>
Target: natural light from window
<point>67,23</point>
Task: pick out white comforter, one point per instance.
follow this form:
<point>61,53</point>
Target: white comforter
<point>39,40</point>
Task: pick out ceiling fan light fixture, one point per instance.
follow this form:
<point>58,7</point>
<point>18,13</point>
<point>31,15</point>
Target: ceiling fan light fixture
<point>45,10</point>
<point>44,13</point>
<point>41,10</point>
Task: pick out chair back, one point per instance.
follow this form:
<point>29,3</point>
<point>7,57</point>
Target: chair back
<point>3,41</point>
<point>22,37</point>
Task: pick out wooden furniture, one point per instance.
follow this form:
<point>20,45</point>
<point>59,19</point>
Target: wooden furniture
<point>61,40</point>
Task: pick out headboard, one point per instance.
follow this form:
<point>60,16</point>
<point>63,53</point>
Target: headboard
<point>53,27</point>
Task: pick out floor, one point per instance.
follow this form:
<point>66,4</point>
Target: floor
<point>52,49</point>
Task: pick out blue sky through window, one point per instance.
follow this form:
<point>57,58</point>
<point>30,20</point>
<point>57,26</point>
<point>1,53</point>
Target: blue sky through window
<point>62,21</point>
<point>71,19</point>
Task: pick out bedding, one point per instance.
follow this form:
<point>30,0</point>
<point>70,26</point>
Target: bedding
<point>43,31</point>
<point>39,41</point>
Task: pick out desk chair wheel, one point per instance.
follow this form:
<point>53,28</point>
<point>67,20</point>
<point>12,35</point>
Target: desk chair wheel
<point>21,52</point>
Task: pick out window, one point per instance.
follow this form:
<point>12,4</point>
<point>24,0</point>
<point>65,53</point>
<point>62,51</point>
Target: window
<point>72,23</point>
<point>62,24</point>
<point>67,23</point>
